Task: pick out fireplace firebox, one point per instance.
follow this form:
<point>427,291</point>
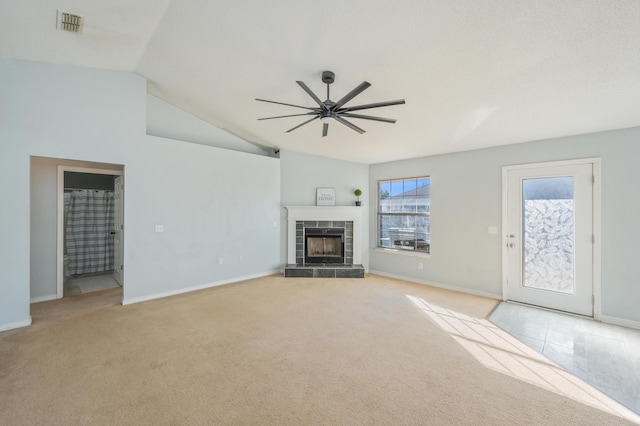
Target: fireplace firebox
<point>324,245</point>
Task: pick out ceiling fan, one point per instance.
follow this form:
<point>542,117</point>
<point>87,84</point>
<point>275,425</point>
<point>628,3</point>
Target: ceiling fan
<point>328,110</point>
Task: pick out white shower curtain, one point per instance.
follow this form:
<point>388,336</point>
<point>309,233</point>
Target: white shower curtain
<point>88,237</point>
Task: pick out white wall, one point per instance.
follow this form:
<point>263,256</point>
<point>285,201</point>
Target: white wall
<point>44,208</point>
<point>466,199</point>
<point>201,194</point>
<point>168,121</point>
<point>213,203</point>
<point>302,174</point>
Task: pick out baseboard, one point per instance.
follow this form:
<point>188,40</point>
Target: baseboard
<point>12,325</point>
<point>43,298</point>
<point>197,287</point>
<point>439,285</point>
<point>620,321</point>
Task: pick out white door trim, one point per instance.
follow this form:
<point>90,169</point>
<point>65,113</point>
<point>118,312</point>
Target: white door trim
<point>597,245</point>
<point>60,218</point>
<point>118,192</point>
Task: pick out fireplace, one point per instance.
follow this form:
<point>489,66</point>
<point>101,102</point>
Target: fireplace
<point>314,253</point>
<point>324,242</point>
<point>324,245</point>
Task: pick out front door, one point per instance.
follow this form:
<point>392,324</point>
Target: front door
<point>549,236</point>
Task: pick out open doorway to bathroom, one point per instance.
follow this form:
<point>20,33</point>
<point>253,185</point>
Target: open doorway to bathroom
<point>90,228</point>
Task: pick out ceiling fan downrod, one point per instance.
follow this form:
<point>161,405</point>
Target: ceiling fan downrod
<point>328,77</point>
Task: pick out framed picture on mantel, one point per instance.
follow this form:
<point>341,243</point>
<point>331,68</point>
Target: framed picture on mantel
<point>325,196</point>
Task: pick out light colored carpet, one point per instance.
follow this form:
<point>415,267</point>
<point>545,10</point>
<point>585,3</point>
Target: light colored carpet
<point>284,351</point>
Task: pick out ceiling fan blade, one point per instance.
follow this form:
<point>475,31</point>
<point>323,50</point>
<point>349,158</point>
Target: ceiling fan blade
<point>350,125</point>
<point>300,125</point>
<point>284,116</point>
<point>374,105</point>
<point>368,117</point>
<point>282,103</point>
<point>325,129</point>
<point>310,93</point>
<point>352,94</point>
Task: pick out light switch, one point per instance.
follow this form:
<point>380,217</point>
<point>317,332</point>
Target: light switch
<point>493,230</point>
<point>159,228</point>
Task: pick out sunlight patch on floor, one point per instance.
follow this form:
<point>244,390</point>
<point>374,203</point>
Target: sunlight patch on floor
<point>499,351</point>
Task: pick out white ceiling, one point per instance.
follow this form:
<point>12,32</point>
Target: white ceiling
<point>474,73</point>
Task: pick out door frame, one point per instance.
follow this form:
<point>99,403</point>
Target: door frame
<point>597,244</point>
<point>60,218</point>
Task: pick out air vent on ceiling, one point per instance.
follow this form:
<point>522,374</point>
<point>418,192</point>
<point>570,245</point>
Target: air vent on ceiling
<point>70,22</point>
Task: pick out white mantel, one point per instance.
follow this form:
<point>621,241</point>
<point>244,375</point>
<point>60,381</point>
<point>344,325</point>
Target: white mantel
<point>346,213</point>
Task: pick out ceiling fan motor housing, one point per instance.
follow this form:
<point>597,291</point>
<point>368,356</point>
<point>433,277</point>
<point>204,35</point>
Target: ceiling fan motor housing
<point>328,77</point>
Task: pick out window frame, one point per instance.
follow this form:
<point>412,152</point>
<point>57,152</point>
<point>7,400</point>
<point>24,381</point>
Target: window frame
<point>411,249</point>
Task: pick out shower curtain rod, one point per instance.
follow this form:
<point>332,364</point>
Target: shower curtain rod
<point>87,189</point>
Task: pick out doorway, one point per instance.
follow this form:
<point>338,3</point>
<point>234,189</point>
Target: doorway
<point>551,242</point>
<point>90,212</point>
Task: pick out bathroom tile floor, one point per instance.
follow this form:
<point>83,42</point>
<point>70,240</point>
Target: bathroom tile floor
<point>605,356</point>
<point>89,283</point>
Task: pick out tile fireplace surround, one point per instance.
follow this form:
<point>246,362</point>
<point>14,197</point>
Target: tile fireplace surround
<point>320,216</point>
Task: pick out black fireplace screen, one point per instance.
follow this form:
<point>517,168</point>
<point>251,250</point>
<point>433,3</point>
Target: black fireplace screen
<point>324,245</point>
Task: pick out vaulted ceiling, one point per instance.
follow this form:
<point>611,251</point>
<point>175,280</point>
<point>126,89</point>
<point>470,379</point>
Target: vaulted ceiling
<point>474,73</point>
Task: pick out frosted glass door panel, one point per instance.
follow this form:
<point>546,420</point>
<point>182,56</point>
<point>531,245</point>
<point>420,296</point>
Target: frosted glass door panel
<point>548,234</point>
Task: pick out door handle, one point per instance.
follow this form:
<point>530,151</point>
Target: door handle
<point>511,245</point>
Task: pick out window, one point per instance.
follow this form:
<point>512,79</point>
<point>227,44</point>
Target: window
<point>403,214</point>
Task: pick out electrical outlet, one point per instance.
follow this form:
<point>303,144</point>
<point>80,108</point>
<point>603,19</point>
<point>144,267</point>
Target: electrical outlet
<point>220,260</point>
<point>419,265</point>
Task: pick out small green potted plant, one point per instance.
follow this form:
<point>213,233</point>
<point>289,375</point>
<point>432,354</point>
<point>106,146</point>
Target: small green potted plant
<point>358,193</point>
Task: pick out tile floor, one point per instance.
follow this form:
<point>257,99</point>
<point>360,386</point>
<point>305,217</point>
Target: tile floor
<point>89,283</point>
<point>603,355</point>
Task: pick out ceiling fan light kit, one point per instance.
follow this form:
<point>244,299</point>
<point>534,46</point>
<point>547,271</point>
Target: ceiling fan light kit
<point>328,111</point>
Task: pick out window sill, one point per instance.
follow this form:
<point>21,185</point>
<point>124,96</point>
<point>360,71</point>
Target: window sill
<point>401,252</point>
